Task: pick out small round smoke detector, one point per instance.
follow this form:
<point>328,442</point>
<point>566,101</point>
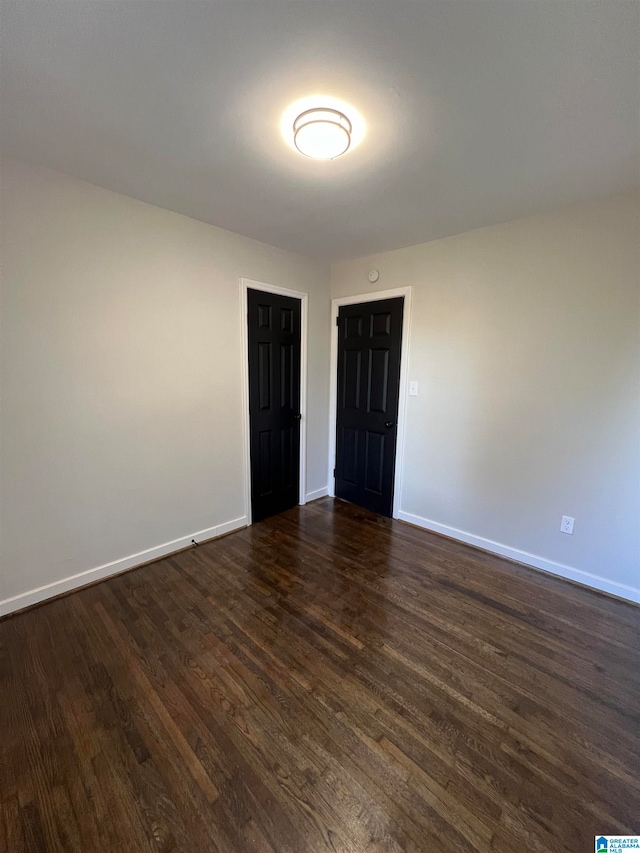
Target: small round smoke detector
<point>374,275</point>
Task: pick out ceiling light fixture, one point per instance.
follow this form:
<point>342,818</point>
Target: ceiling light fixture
<point>322,133</point>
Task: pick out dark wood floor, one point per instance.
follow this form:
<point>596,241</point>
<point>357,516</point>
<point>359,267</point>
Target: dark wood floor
<point>327,680</point>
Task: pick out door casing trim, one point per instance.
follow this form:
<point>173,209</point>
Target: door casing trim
<point>250,284</point>
<point>402,391</point>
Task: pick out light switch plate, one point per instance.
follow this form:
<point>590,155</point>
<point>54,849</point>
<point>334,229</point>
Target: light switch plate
<point>413,389</point>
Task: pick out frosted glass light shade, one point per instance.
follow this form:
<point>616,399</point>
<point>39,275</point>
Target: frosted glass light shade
<point>322,133</point>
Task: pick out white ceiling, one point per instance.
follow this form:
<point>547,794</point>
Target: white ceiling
<point>478,111</point>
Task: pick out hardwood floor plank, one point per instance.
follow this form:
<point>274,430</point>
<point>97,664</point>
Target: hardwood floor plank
<point>325,680</point>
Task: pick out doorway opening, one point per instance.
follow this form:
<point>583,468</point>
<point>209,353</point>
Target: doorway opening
<point>368,398</point>
<point>275,340</point>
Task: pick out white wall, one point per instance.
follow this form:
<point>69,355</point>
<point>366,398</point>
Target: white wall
<point>121,402</point>
<point>526,343</point>
<point>121,377</point>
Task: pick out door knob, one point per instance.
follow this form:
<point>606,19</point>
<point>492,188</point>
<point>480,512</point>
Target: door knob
<point>297,417</point>
<point>389,424</point>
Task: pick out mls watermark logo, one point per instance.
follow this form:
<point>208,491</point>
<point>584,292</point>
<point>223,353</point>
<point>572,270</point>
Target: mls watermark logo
<point>616,843</point>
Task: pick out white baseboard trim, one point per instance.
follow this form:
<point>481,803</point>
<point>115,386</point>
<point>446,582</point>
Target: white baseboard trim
<point>319,493</point>
<point>35,596</point>
<point>629,593</point>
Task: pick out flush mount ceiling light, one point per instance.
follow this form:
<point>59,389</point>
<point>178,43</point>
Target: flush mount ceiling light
<point>322,133</point>
<point>322,127</point>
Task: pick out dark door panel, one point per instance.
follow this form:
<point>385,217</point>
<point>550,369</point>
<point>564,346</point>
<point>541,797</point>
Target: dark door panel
<point>274,401</point>
<point>369,343</point>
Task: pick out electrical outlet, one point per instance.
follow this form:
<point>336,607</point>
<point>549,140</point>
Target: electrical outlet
<point>413,389</point>
<point>566,525</point>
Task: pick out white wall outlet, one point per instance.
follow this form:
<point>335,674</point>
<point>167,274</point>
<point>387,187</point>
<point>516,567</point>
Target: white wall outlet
<point>413,389</point>
<point>566,525</point>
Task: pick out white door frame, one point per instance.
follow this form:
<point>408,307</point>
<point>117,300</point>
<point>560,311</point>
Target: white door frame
<point>249,284</point>
<point>402,391</point>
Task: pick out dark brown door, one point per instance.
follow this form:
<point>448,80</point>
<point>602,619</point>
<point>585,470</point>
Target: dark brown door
<point>274,401</point>
<point>369,343</point>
